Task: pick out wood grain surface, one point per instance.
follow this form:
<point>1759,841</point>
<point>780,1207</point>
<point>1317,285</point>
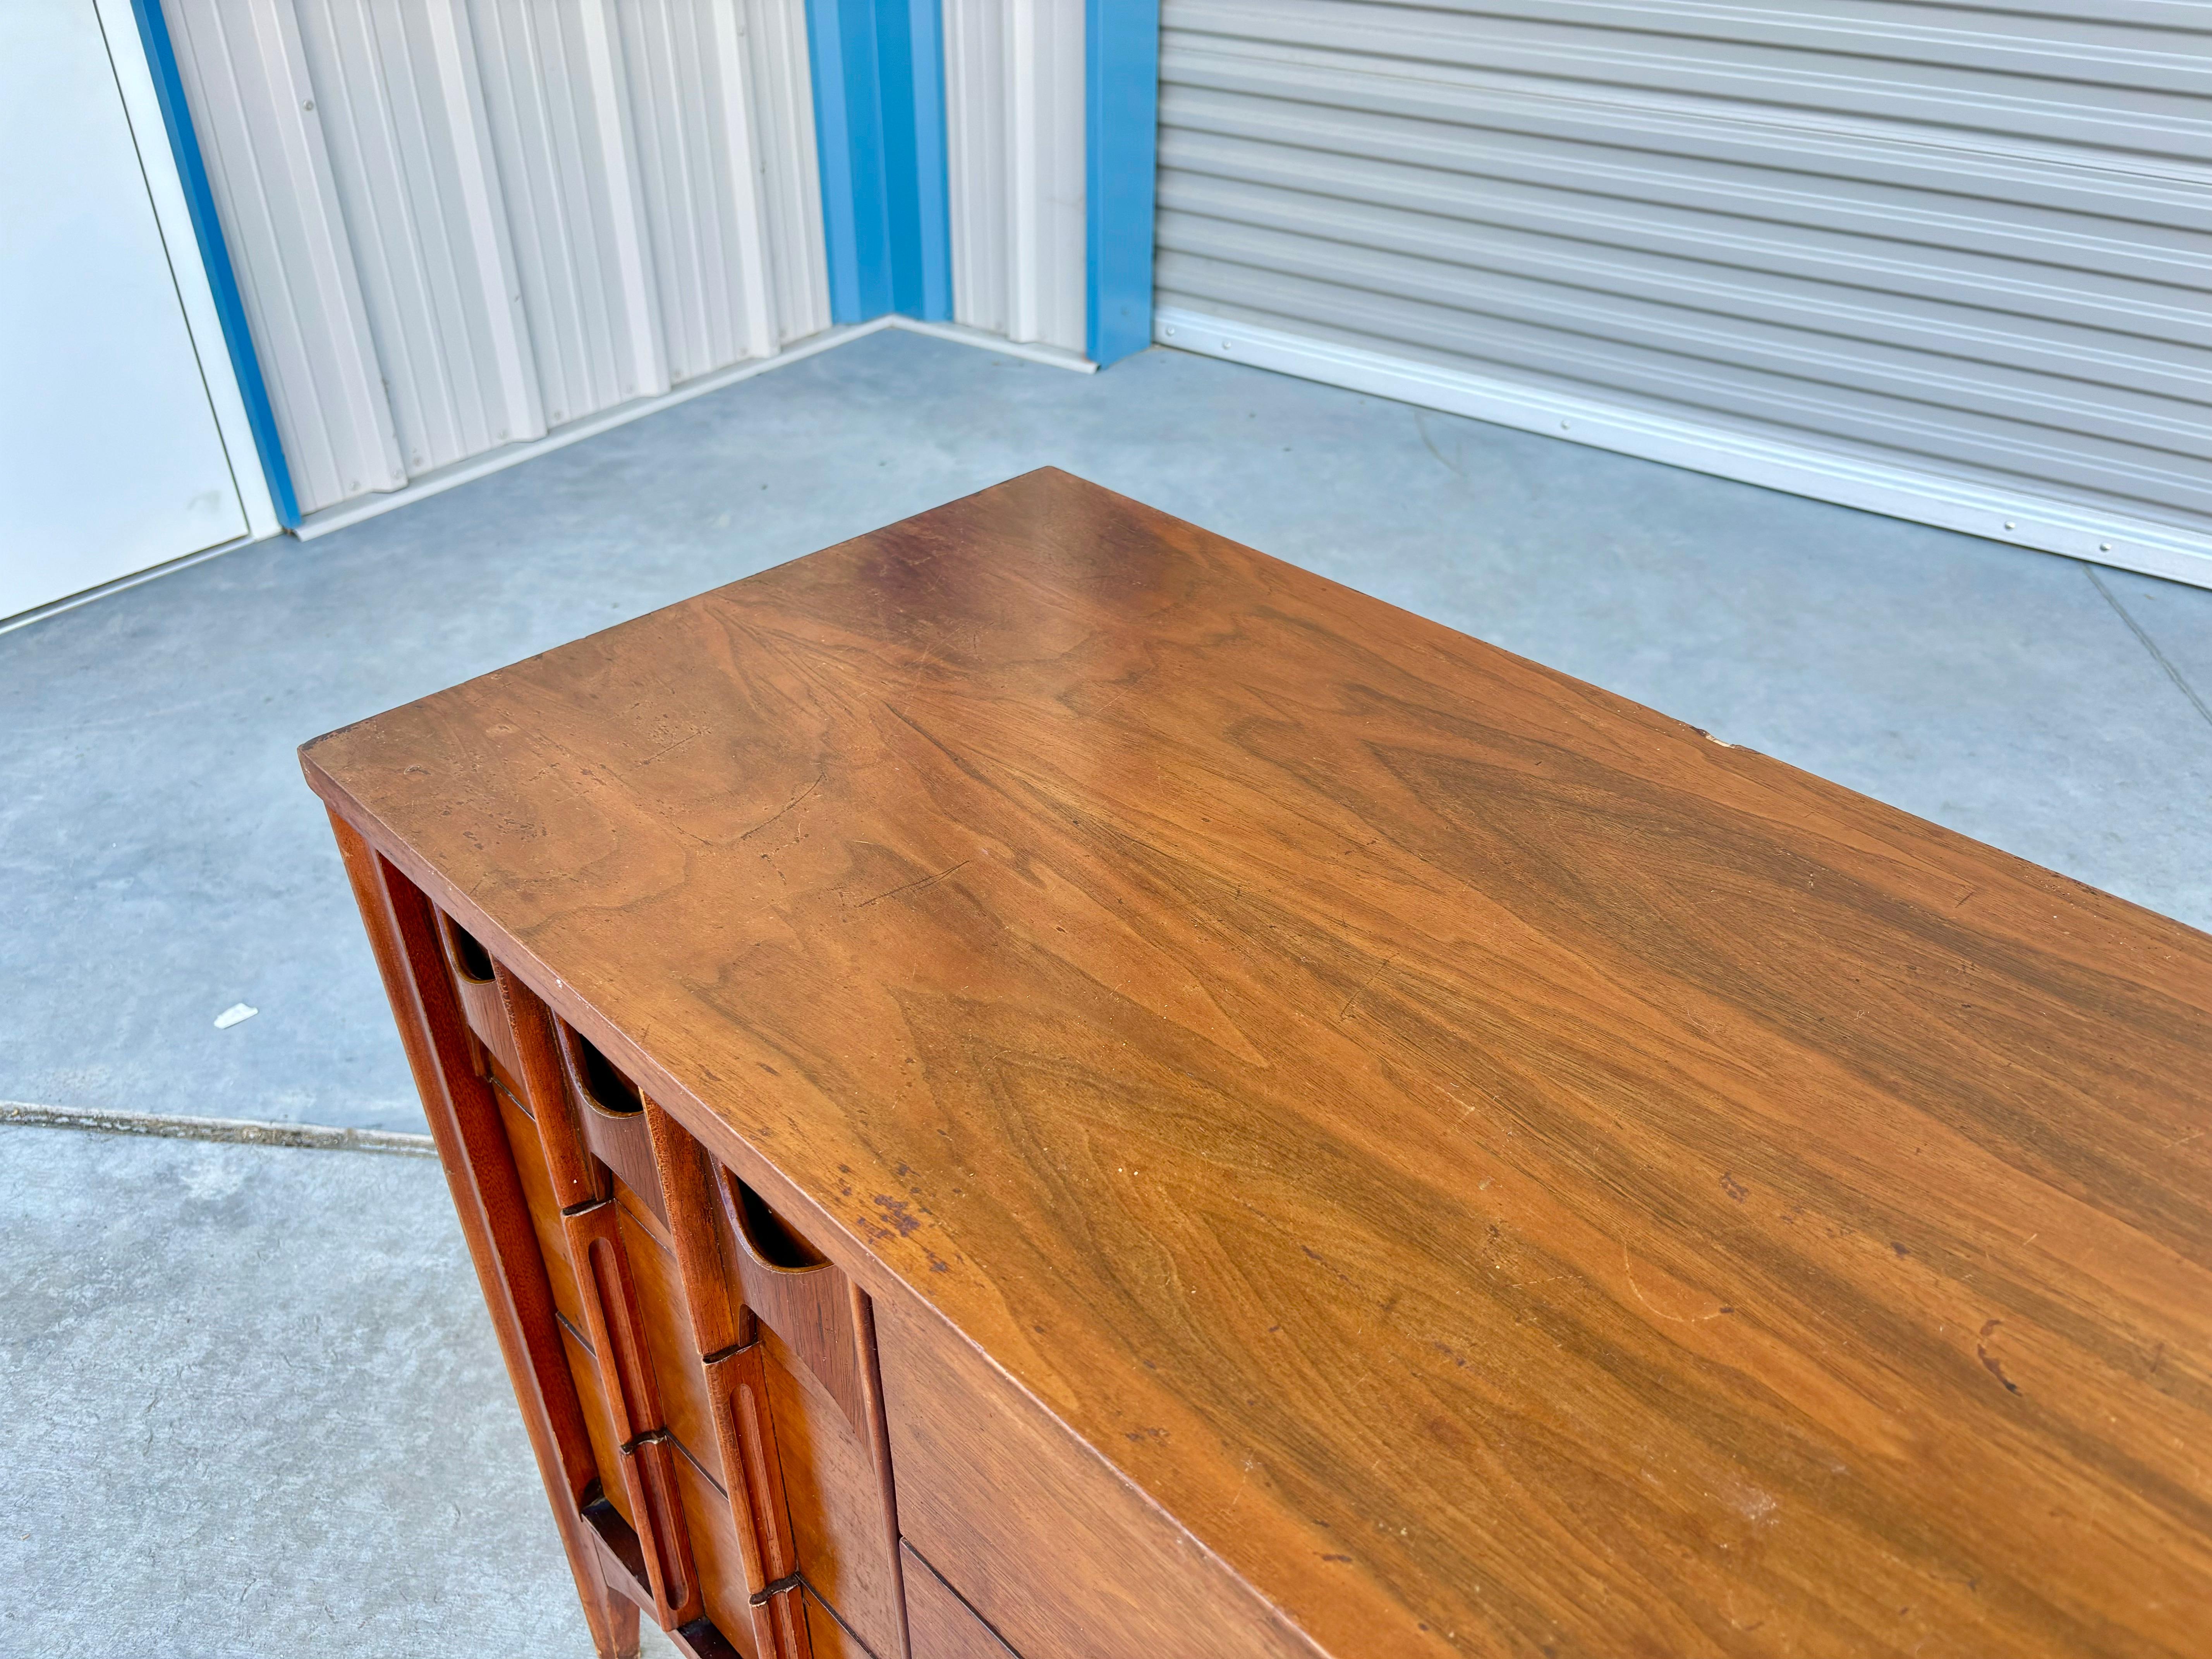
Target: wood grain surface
<point>944,1626</point>
<point>1505,1173</point>
<point>1043,1538</point>
<point>835,1500</point>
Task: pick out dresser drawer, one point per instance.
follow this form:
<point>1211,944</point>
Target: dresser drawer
<point>1057,1552</point>
<point>940,1625</point>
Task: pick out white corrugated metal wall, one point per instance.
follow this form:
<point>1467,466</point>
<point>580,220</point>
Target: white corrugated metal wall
<point>1014,142</point>
<point>458,224</point>
<point>1944,260</point>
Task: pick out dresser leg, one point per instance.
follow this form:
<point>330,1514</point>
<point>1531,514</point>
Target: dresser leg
<point>614,1623</point>
<point>487,1198</point>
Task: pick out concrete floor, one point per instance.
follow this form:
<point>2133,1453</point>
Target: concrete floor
<point>252,1404</point>
<point>253,1407</point>
<point>218,1441</point>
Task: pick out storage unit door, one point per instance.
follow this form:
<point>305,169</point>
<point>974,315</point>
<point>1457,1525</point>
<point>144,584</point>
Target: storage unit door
<point>460,224</point>
<point>1951,261</point>
<point>111,459</point>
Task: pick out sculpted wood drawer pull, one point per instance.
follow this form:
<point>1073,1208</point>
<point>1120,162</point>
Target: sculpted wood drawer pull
<point>559,1070</point>
<point>475,981</point>
<point>598,1082</point>
<point>799,1295</point>
<point>616,1329</point>
<point>471,962</point>
<point>774,1242</point>
<point>613,1119</point>
<point>725,1337</point>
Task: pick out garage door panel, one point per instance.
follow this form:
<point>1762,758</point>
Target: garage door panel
<point>1970,244</point>
<point>1780,152</point>
<point>1969,392</point>
<point>1785,214</point>
<point>1730,394</point>
<point>1632,262</point>
<point>2147,94</point>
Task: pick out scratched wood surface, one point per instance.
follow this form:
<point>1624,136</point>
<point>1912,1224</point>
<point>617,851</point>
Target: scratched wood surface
<point>1507,1173</point>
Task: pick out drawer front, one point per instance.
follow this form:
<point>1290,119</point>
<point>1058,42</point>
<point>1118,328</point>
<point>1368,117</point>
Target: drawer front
<point>544,1208</point>
<point>939,1623</point>
<point>687,1408</point>
<point>839,1522</point>
<point>830,1637</point>
<point>1057,1552</point>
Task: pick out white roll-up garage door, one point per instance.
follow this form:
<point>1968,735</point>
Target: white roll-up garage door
<point>1948,261</point>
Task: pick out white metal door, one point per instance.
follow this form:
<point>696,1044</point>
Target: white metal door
<point>109,458</point>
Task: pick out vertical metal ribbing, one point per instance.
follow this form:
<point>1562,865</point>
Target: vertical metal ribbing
<point>458,223</point>
<point>791,183</point>
<point>1016,149</point>
<point>749,229</point>
<point>645,355</point>
<point>976,159</point>
<point>403,119</point>
<point>244,71</point>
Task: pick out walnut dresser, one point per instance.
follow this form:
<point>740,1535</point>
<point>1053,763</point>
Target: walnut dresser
<point>1042,1082</point>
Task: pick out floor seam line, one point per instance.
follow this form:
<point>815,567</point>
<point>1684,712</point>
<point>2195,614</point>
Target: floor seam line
<point>2149,643</point>
<point>247,1132</point>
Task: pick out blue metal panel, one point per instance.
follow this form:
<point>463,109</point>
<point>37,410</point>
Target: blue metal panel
<point>914,143</point>
<point>223,281</point>
<point>841,44</point>
<point>879,70</point>
<point>1122,64</point>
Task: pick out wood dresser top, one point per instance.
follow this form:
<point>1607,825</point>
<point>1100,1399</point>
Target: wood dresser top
<point>1508,1173</point>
